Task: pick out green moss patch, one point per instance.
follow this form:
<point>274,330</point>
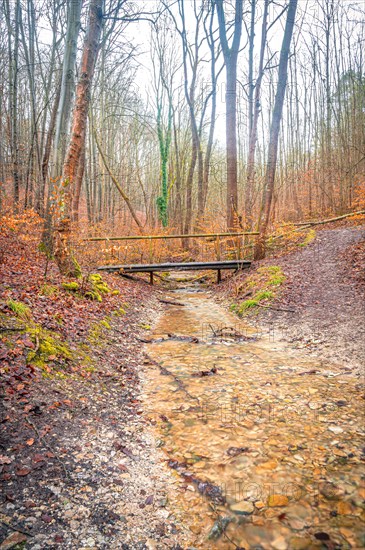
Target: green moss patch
<point>98,288</point>
<point>20,309</point>
<point>48,290</point>
<point>93,287</point>
<point>260,288</point>
<point>48,347</point>
<point>310,236</point>
<point>98,331</point>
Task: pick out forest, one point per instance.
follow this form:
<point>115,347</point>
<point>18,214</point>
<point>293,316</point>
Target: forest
<point>182,274</point>
<point>133,117</point>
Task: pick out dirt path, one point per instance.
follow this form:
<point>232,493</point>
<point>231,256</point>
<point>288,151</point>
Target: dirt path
<point>329,309</point>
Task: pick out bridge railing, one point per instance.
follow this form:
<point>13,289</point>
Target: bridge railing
<point>131,249</point>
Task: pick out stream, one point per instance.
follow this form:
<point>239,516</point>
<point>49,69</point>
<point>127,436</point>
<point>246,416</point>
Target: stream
<point>264,440</point>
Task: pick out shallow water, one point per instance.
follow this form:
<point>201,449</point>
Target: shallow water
<point>271,438</point>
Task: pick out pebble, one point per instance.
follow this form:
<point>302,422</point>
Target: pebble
<point>277,500</point>
<point>244,507</point>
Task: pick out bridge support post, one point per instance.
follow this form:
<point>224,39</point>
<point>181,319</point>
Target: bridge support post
<point>219,278</point>
<point>151,278</point>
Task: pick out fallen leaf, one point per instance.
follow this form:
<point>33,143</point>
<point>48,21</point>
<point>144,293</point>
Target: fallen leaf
<point>39,458</point>
<point>30,441</point>
<point>23,471</point>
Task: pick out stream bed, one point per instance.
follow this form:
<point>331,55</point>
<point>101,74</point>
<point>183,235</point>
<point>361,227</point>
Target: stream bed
<point>265,442</point>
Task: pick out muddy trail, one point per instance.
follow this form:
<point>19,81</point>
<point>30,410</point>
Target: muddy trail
<point>265,442</point>
<point>325,298</point>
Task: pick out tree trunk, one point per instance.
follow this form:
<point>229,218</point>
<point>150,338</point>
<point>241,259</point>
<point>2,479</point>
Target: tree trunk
<point>78,186</point>
<point>62,244</point>
<point>230,58</point>
<point>13,52</point>
<point>231,144</point>
<point>254,118</point>
<point>274,132</point>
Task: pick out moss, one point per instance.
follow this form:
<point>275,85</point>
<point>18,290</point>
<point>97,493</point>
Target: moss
<point>260,296</point>
<point>98,288</point>
<point>48,290</point>
<point>97,331</point>
<point>264,285</point>
<point>272,269</point>
<point>276,279</point>
<point>20,309</point>
<point>263,295</point>
<point>73,286</point>
<point>97,282</point>
<point>115,292</point>
<point>58,318</point>
<point>78,271</point>
<point>49,347</point>
<point>310,236</point>
<point>145,327</point>
<point>93,295</point>
<point>89,369</point>
<point>119,312</point>
<point>10,323</point>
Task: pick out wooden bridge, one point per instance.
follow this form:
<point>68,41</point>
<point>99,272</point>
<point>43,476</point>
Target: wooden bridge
<point>183,266</point>
<point>218,264</point>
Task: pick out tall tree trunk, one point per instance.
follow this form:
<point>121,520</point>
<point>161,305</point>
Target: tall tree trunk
<point>62,244</point>
<point>67,87</point>
<point>13,52</point>
<point>274,132</point>
<point>230,54</point>
<point>254,118</point>
<point>48,147</point>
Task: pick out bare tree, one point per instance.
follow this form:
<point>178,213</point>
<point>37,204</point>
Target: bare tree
<point>264,218</point>
<point>230,54</point>
<point>62,245</point>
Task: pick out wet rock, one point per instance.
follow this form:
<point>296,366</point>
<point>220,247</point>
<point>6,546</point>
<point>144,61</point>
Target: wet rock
<point>277,500</point>
<point>244,507</point>
<point>300,543</point>
<point>219,527</point>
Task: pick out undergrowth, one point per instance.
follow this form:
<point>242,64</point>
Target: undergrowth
<point>260,288</point>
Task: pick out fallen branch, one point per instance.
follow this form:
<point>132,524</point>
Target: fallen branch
<point>313,371</point>
<point>302,226</point>
<point>206,488</point>
<point>174,337</point>
<point>164,371</point>
<point>16,529</point>
<point>171,303</point>
<point>329,220</point>
<point>230,332</point>
<point>202,373</point>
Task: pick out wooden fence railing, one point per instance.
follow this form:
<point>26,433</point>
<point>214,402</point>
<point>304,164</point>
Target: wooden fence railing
<point>219,245</point>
